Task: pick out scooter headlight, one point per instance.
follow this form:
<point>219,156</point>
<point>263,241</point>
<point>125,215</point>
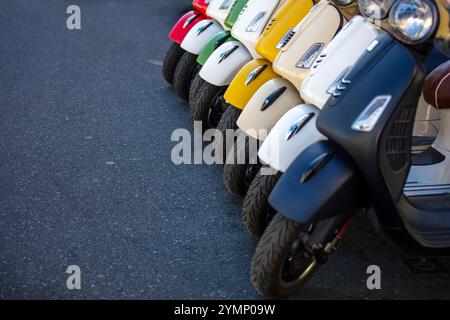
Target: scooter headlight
<point>413,21</point>
<point>256,22</point>
<point>375,9</point>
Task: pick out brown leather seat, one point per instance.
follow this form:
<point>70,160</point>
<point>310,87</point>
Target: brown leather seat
<point>436,89</point>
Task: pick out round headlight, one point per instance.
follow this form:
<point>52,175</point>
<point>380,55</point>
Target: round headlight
<point>343,2</point>
<point>375,9</point>
<point>413,21</point>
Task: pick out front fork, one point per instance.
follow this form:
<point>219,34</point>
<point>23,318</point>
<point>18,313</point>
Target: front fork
<point>327,236</point>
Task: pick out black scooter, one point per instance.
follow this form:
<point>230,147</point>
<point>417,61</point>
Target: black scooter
<point>365,164</point>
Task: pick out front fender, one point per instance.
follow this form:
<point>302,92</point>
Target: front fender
<point>267,106</point>
<point>295,131</point>
<point>199,35</point>
<point>321,183</point>
<point>248,80</point>
<point>184,25</point>
<point>222,66</point>
<point>215,42</point>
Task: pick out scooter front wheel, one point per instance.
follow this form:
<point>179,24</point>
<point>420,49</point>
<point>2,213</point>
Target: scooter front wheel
<point>170,62</point>
<point>241,165</point>
<point>185,72</point>
<point>208,105</point>
<point>281,264</point>
<point>257,212</point>
<point>228,121</point>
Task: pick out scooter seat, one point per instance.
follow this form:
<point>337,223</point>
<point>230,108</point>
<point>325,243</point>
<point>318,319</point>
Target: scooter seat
<point>437,87</point>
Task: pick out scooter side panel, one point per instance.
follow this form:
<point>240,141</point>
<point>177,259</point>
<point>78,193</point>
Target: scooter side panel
<point>329,190</point>
<point>248,80</point>
<point>235,11</point>
<point>199,36</point>
<point>286,18</point>
<point>341,53</point>
<point>215,42</point>
<point>310,37</point>
<point>184,25</point>
<point>223,65</point>
<point>267,106</point>
<point>295,131</point>
<point>252,21</point>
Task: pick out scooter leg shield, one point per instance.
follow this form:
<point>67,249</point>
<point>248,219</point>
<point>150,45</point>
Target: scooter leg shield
<point>321,183</point>
<point>223,65</point>
<point>199,36</point>
<point>248,80</point>
<point>184,25</point>
<point>267,106</point>
<point>215,42</point>
<point>295,131</point>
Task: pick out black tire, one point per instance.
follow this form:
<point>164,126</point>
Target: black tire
<point>257,212</point>
<point>228,121</point>
<point>238,176</point>
<point>185,72</point>
<point>204,102</point>
<point>196,84</point>
<point>171,60</point>
<point>271,255</point>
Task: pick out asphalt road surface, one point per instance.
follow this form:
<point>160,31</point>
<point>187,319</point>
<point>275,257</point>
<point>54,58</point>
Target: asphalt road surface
<point>86,177</point>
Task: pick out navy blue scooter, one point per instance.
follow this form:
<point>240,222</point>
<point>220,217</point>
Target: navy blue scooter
<point>366,163</point>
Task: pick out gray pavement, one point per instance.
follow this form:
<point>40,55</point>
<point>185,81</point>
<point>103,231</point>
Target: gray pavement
<point>86,176</point>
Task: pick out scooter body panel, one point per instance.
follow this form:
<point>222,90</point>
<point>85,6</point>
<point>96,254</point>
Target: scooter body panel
<point>321,183</point>
<point>295,131</point>
<point>267,106</point>
<point>252,21</point>
<point>286,18</point>
<point>336,59</point>
<point>215,42</point>
<point>306,41</point>
<point>219,10</point>
<point>248,80</point>
<point>225,63</point>
<point>199,35</point>
<point>184,25</point>
<point>234,13</point>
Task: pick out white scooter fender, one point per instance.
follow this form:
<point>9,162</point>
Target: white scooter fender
<point>336,60</point>
<point>199,35</point>
<point>225,62</point>
<point>295,131</point>
<point>267,106</point>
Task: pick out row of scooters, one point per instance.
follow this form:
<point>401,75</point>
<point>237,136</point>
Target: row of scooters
<point>323,110</point>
